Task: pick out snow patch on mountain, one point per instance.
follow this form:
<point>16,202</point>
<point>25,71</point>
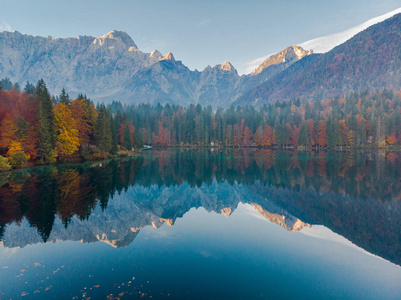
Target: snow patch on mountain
<point>326,43</point>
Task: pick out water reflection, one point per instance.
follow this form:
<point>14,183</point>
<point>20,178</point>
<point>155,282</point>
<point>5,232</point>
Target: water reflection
<point>355,194</point>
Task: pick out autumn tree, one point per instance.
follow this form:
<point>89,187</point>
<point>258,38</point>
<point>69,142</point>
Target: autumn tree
<point>67,134</point>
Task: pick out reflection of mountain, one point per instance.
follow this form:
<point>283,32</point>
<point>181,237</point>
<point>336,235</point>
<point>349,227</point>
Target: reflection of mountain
<point>126,214</point>
<point>370,224</point>
<point>352,193</point>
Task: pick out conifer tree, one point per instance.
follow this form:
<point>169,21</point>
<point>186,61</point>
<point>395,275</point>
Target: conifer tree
<point>114,140</point>
<point>29,88</point>
<point>332,132</point>
<point>127,141</point>
<point>102,133</point>
<point>304,139</point>
<point>138,139</point>
<point>46,123</point>
<point>361,134</point>
<point>64,98</point>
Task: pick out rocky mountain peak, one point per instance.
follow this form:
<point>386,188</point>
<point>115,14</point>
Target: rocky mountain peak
<point>155,53</point>
<point>288,55</point>
<point>226,66</point>
<point>168,56</point>
<point>115,35</point>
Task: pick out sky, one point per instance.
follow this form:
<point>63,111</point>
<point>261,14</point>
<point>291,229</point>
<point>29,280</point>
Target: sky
<point>199,33</point>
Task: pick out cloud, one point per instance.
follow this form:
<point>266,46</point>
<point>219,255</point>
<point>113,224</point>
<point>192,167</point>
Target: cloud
<point>4,26</point>
<point>252,65</point>
<point>326,43</point>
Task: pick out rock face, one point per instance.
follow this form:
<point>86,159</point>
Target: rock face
<point>95,66</point>
<point>112,67</point>
<point>370,60</point>
<point>284,58</point>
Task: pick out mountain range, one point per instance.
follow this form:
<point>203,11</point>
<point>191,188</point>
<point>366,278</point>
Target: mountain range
<point>128,213</point>
<point>112,67</point>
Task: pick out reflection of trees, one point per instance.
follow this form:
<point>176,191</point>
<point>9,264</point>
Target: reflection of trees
<point>358,174</point>
<point>68,192</point>
<point>42,193</point>
<point>42,205</point>
<point>75,191</point>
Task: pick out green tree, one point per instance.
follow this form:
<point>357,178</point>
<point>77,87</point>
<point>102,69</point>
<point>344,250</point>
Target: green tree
<point>46,124</point>
<point>64,98</point>
<point>103,138</point>
<point>114,140</point>
<point>304,138</point>
<point>127,141</point>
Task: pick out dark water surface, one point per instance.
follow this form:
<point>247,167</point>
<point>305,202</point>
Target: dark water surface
<point>172,224</point>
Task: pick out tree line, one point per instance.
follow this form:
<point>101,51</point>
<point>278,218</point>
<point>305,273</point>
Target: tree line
<point>39,127</point>
<point>360,120</point>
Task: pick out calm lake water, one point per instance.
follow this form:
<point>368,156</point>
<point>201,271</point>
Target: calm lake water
<point>185,224</point>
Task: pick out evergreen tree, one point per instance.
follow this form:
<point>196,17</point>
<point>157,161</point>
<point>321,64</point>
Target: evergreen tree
<point>282,134</point>
<point>22,129</point>
<point>127,141</point>
<point>64,98</point>
<point>29,88</point>
<point>16,86</point>
<point>138,139</point>
<point>332,132</point>
<point>303,138</point>
<point>6,84</point>
<point>103,138</point>
<point>361,135</point>
<point>114,140</point>
<point>46,124</point>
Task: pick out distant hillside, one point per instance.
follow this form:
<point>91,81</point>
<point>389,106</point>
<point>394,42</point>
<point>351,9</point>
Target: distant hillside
<point>112,67</point>
<point>370,60</point>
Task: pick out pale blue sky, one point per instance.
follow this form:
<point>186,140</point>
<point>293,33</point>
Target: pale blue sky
<point>199,33</point>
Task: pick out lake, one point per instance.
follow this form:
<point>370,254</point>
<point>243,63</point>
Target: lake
<point>205,224</point>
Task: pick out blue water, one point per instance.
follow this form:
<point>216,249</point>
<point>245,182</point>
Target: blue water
<point>216,240</point>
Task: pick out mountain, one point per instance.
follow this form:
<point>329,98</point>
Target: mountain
<point>128,213</point>
<point>112,67</point>
<point>284,58</point>
<point>95,66</point>
<point>368,61</point>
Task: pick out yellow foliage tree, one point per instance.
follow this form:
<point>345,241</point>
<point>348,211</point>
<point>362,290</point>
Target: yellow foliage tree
<point>85,116</point>
<point>350,139</point>
<point>15,147</point>
<point>67,132</point>
<point>392,139</point>
<point>9,137</point>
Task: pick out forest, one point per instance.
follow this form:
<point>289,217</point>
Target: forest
<point>41,128</point>
<point>37,127</point>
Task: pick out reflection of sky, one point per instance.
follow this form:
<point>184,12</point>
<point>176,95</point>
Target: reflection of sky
<point>204,255</point>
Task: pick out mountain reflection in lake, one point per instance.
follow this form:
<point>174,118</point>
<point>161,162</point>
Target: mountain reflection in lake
<point>344,205</point>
